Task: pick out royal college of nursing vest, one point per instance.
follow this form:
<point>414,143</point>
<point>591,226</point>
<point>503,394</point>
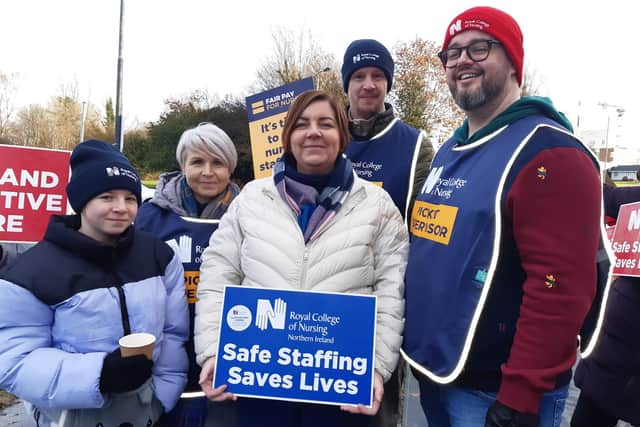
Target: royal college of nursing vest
<point>455,244</point>
<point>387,160</point>
<point>188,237</point>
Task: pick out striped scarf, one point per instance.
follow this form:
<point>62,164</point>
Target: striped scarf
<point>214,209</point>
<point>300,196</point>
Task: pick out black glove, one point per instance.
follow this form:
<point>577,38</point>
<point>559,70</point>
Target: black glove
<point>500,415</point>
<point>120,374</point>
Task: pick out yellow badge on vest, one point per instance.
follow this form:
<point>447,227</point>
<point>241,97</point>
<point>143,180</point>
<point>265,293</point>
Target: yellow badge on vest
<point>433,222</point>
<point>191,281</point>
<point>541,172</point>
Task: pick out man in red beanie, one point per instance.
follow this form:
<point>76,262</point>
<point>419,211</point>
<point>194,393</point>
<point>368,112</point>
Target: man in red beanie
<point>502,274</point>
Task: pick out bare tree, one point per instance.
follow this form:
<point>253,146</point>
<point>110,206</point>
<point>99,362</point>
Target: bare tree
<point>420,92</point>
<point>33,127</point>
<point>98,127</point>
<point>8,89</point>
<point>65,113</point>
<point>58,124</point>
<point>295,57</point>
<point>532,81</point>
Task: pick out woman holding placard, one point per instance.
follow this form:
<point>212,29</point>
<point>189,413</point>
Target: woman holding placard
<point>66,303</point>
<point>280,232</point>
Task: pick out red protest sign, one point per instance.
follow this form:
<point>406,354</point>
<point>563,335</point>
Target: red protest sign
<point>626,241</point>
<point>610,230</point>
<point>33,185</point>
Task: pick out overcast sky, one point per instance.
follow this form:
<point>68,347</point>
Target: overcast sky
<point>584,51</point>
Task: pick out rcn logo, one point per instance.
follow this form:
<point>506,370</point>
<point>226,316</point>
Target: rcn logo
<point>634,220</point>
<point>182,247</point>
<point>268,314</point>
<point>113,171</point>
<point>432,180</point>
<point>366,56</point>
<point>455,27</point>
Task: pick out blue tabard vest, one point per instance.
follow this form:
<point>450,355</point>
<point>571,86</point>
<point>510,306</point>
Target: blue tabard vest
<point>455,245</point>
<point>389,160</point>
<point>188,237</point>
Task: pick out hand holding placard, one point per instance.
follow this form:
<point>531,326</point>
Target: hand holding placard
<point>378,393</point>
<point>217,394</point>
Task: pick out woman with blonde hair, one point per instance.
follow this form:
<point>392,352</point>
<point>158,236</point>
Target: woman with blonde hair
<point>184,212</point>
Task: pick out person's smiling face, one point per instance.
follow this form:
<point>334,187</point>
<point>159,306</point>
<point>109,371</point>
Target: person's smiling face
<point>315,139</point>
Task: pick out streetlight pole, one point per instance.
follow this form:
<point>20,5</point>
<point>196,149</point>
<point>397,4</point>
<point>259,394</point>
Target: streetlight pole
<point>606,143</point>
<point>620,112</point>
<point>118,119</point>
<point>316,77</point>
<point>83,120</point>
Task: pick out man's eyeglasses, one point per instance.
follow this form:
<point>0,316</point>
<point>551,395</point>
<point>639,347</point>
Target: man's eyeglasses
<point>477,51</point>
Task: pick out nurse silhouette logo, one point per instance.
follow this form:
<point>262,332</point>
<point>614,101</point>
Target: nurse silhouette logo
<point>266,314</point>
<point>182,248</point>
<point>432,180</point>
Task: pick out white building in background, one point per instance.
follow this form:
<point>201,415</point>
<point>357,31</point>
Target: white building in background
<point>603,131</point>
<point>619,152</point>
<point>594,139</point>
<point>626,155</point>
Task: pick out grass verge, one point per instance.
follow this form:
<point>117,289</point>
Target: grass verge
<point>6,399</point>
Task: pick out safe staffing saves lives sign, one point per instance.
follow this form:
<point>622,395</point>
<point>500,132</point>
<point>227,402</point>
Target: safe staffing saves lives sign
<point>626,241</point>
<point>298,346</point>
<point>33,185</point>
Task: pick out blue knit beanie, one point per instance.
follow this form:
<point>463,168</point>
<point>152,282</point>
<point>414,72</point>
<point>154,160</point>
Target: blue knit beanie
<point>366,53</point>
<point>97,167</point>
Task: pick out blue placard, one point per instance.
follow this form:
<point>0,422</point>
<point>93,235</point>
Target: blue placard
<point>295,345</point>
<point>275,101</point>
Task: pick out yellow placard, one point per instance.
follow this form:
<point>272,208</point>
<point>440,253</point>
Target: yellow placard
<point>266,146</point>
<point>191,281</point>
<point>266,112</point>
<point>433,222</point>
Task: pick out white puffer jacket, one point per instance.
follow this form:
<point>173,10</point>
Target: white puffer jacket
<point>363,250</point>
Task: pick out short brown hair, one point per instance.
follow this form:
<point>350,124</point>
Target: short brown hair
<point>301,103</point>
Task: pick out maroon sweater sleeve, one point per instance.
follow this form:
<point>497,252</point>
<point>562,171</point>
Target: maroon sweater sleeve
<point>556,222</point>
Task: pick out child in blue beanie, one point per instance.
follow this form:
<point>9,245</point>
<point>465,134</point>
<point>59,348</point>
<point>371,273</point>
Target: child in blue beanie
<point>66,302</point>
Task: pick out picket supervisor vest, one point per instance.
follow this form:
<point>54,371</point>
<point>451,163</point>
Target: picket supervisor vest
<point>188,237</point>
<point>389,160</point>
<point>455,244</point>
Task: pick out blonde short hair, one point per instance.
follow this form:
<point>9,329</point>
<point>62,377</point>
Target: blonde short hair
<point>209,139</point>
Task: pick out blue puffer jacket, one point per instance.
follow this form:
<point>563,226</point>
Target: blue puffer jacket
<point>61,314</point>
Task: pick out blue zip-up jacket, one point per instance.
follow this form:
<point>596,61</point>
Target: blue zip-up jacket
<point>61,313</point>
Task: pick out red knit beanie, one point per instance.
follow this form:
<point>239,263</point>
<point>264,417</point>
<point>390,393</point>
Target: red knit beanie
<point>497,24</point>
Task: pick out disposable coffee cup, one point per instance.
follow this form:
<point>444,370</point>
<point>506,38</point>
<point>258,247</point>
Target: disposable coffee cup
<point>134,344</point>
